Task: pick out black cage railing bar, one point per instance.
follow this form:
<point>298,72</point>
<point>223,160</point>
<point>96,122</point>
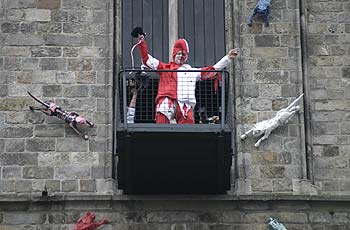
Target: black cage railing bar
<point>215,103</point>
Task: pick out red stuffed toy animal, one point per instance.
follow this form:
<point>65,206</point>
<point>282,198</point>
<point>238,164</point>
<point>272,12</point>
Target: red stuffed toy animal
<point>88,222</point>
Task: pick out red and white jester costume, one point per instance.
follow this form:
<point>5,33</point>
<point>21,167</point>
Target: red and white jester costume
<point>176,90</point>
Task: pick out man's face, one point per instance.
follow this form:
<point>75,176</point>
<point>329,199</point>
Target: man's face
<point>180,57</point>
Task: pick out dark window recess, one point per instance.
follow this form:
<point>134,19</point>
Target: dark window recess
<point>152,15</point>
<point>202,24</point>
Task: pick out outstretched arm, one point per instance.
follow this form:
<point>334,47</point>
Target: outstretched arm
<point>224,62</point>
<point>147,59</point>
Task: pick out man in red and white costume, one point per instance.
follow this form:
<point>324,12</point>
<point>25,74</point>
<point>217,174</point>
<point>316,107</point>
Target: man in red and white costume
<point>176,90</point>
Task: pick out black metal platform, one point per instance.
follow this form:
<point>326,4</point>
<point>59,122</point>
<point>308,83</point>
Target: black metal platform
<point>154,162</point>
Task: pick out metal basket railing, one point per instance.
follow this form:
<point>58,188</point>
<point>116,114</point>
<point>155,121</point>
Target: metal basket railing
<point>210,104</point>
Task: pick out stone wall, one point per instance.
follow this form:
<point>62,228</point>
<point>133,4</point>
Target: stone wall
<point>62,50</point>
<point>273,71</point>
<point>58,50</point>
<point>329,74</point>
<point>268,78</point>
<point>176,213</point>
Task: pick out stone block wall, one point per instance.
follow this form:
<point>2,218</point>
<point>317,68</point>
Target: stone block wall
<point>59,50</point>
<point>62,50</point>
<point>329,65</point>
<point>176,213</point>
<point>268,78</point>
<point>272,71</point>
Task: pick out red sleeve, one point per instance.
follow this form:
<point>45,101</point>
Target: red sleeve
<point>208,75</point>
<point>143,51</point>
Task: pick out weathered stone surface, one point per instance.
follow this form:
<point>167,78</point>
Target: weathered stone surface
<point>53,186</point>
<point>24,40</point>
<point>52,91</point>
<point>49,27</point>
<point>15,15</point>
<point>36,118</point>
<point>284,158</point>
<point>80,16</point>
<point>59,16</point>
<point>67,40</point>
<point>38,172</point>
<point>70,52</point>
<point>3,90</point>
<point>76,91</point>
<point>30,64</point>
<point>84,158</point>
<point>74,4</point>
<point>70,186</point>
<point>12,173</point>
<point>87,185</point>
<point>23,186</point>
<point>98,172</point>
<point>72,172</point>
<point>282,185</point>
<point>73,145</point>
<point>49,131</point>
<point>84,77</point>
<point>10,27</point>
<point>272,171</point>
<point>53,64</point>
<point>53,158</point>
<point>15,131</point>
<point>12,64</point>
<point>279,104</point>
<point>49,4</point>
<point>261,104</point>
<point>267,41</point>
<point>18,159</point>
<point>40,144</point>
<point>56,218</point>
<point>323,128</point>
<point>2,145</point>
<point>24,218</point>
<point>97,145</point>
<point>79,104</point>
<point>22,4</point>
<point>332,105</point>
<point>80,64</point>
<point>346,72</point>
<point>46,52</point>
<point>7,186</point>
<point>271,77</point>
<point>72,28</point>
<point>263,185</point>
<point>28,27</point>
<point>14,145</point>
<point>65,77</point>
<point>42,15</point>
<point>101,91</point>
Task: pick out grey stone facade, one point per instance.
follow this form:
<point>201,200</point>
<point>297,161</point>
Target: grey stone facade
<point>63,50</point>
<point>279,63</point>
<point>239,213</point>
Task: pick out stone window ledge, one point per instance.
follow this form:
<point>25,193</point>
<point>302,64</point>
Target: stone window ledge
<point>94,197</point>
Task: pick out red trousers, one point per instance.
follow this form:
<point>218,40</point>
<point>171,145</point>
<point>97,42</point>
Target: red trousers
<point>180,118</point>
